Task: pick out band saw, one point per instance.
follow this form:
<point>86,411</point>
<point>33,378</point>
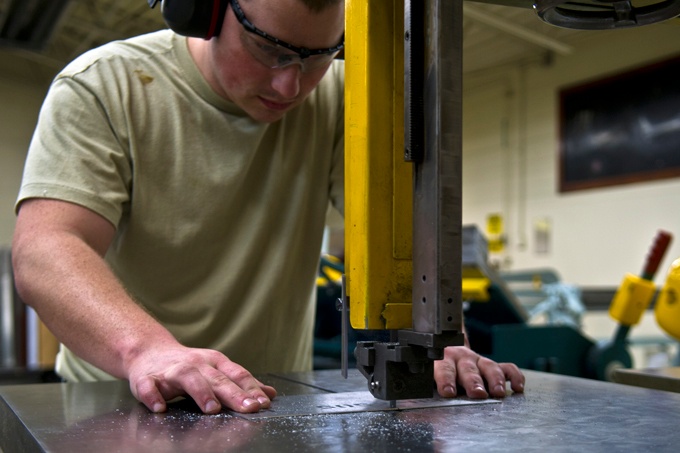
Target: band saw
<point>403,152</point>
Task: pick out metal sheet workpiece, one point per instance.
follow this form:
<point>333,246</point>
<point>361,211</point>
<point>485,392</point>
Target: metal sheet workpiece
<point>347,403</point>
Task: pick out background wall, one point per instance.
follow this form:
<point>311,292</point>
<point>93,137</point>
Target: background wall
<point>510,166</point>
<point>19,105</point>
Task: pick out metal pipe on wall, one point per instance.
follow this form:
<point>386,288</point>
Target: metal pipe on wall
<point>8,356</point>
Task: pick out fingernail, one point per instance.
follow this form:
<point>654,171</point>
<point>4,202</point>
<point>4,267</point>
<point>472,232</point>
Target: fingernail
<point>264,401</point>
<point>449,390</point>
<point>249,402</point>
<point>499,389</point>
<point>158,407</point>
<point>480,388</point>
<point>212,406</point>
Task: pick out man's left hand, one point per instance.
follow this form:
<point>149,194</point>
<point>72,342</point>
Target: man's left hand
<point>478,376</point>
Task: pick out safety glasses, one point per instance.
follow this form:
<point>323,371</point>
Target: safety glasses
<point>275,53</point>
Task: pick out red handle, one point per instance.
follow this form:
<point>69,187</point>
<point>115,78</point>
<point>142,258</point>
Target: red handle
<point>656,253</point>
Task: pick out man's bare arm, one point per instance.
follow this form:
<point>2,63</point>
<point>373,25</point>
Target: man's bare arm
<point>57,255</point>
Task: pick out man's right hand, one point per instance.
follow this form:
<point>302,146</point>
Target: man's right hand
<point>212,380</point>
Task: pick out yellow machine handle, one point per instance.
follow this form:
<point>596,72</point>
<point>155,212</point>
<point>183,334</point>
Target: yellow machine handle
<point>667,308</point>
<point>631,299</point>
<point>635,293</point>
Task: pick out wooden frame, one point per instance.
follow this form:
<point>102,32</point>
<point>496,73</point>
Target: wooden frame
<point>621,129</point>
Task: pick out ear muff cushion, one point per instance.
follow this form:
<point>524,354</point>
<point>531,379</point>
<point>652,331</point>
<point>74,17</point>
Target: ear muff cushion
<point>196,18</point>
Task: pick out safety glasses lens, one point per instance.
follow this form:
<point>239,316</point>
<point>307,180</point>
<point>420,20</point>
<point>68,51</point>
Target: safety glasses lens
<point>275,56</point>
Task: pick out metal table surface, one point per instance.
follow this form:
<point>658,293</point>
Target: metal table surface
<point>557,413</point>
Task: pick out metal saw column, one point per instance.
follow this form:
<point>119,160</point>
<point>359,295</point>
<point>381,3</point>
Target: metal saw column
<point>437,189</point>
<point>426,301</point>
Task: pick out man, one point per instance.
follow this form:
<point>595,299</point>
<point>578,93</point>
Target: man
<point>171,212</point>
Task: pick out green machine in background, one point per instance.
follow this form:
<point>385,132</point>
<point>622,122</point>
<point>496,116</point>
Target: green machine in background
<point>497,323</point>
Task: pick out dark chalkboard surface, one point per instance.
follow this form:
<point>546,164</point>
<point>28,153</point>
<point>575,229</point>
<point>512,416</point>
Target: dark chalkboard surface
<point>621,129</point>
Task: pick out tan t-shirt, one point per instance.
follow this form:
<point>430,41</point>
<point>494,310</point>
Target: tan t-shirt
<point>219,218</point>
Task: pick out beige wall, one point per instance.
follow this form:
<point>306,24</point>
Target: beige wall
<point>19,105</point>
<point>510,166</point>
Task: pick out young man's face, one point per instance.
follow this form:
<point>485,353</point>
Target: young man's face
<point>239,62</point>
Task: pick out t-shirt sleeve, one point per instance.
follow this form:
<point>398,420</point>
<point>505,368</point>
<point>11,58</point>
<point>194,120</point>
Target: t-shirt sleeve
<point>77,153</point>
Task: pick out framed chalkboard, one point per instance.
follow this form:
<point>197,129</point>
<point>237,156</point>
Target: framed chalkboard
<point>621,129</point>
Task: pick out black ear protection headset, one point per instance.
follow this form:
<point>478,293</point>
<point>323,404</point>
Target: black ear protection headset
<point>196,18</point>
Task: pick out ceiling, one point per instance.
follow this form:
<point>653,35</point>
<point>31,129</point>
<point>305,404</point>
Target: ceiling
<point>493,34</point>
<point>83,24</point>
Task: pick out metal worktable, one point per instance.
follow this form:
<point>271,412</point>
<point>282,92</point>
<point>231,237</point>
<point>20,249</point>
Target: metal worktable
<point>556,413</point>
